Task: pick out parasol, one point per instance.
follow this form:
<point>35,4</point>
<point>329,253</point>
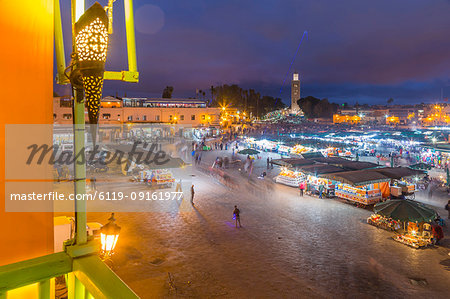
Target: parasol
<point>248,151</point>
<point>405,210</point>
<point>420,166</point>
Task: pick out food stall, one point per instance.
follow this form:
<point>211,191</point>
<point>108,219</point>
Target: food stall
<point>364,187</point>
<point>266,145</point>
<point>161,178</point>
<point>413,240</point>
<point>300,149</point>
<point>403,180</point>
<point>314,181</point>
<point>284,150</point>
<point>408,218</point>
<point>330,152</point>
<point>384,222</point>
<point>360,194</point>
<point>290,177</point>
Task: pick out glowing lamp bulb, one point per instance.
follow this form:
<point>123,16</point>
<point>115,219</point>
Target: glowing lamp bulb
<point>109,233</point>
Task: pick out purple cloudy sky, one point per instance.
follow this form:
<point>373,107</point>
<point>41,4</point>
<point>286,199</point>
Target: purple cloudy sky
<point>357,50</point>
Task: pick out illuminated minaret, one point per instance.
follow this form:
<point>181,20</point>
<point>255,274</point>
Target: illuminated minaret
<point>295,93</point>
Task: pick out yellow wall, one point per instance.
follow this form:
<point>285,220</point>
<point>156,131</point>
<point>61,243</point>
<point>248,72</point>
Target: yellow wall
<point>26,60</point>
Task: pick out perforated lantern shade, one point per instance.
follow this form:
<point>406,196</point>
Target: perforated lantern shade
<point>91,39</point>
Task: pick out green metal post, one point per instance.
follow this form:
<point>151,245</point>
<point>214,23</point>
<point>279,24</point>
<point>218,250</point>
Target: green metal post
<point>59,45</point>
<point>79,166</point>
<point>131,42</point>
<point>80,290</point>
<point>44,289</point>
<point>88,295</point>
<point>78,141</point>
<point>70,282</point>
<point>392,160</point>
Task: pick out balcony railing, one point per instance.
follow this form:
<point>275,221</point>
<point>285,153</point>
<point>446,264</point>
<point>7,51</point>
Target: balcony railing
<point>87,276</point>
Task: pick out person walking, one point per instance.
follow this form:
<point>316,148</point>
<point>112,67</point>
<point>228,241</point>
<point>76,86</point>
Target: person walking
<point>302,188</point>
<point>321,187</point>
<point>271,163</point>
<point>447,207</point>
<point>268,162</point>
<point>178,187</point>
<point>236,216</point>
<point>93,186</point>
<point>192,194</point>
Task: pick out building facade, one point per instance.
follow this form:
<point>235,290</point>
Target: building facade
<point>191,112</point>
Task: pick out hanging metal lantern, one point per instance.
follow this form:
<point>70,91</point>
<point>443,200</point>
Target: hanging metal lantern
<point>109,233</point>
<point>91,43</point>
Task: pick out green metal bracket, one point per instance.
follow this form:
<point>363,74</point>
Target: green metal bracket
<point>99,279</point>
<point>39,269</point>
<point>126,76</point>
<point>59,46</point>
<point>131,76</point>
<point>78,250</point>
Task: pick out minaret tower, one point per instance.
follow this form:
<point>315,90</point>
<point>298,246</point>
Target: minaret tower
<point>295,93</point>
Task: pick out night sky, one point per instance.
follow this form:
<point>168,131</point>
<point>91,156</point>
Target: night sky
<point>355,50</point>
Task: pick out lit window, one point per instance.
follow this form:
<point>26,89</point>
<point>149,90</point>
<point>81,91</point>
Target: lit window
<point>67,103</point>
<point>192,117</point>
<point>203,117</point>
<point>67,116</point>
<point>157,117</point>
<point>181,117</point>
<point>106,116</point>
<point>130,117</point>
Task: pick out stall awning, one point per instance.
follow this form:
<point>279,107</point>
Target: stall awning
<point>400,172</point>
<point>145,157</point>
<point>311,155</point>
<point>292,162</point>
<point>317,169</point>
<point>441,147</point>
<point>357,165</point>
<point>357,177</point>
<point>330,160</point>
<point>346,164</point>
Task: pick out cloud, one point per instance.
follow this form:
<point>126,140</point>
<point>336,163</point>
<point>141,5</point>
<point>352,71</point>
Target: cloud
<point>354,48</point>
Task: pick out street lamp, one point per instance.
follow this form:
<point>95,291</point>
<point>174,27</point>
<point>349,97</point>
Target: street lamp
<point>91,43</point>
<point>109,233</point>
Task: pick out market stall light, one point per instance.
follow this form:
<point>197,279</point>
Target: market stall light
<point>91,43</point>
<point>109,233</point>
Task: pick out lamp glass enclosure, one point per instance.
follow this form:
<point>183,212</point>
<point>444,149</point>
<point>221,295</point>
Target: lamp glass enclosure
<point>109,234</point>
<point>108,243</point>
